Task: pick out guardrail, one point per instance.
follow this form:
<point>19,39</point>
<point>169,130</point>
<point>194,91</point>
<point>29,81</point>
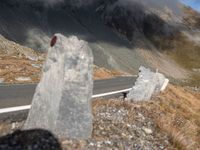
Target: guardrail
<point>27,107</point>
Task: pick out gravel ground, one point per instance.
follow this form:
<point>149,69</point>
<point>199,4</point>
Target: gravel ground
<point>117,125</point>
<point>121,125</point>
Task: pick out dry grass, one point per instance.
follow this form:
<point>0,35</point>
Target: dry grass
<point>177,112</point>
<point>19,61</point>
<point>180,139</point>
<point>12,67</point>
<point>102,73</point>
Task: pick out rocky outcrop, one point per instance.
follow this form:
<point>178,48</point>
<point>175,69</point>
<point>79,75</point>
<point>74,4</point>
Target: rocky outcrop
<point>11,48</point>
<point>147,85</point>
<point>62,99</point>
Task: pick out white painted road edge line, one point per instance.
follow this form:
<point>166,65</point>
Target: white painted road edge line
<point>27,107</point>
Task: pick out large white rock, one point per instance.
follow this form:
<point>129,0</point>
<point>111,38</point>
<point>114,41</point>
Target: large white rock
<point>62,101</point>
<point>147,84</point>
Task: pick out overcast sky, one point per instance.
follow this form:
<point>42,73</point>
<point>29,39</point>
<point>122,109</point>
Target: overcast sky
<point>193,3</point>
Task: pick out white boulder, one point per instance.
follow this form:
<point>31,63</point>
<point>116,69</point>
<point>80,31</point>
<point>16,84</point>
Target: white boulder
<point>147,84</point>
<point>62,101</point>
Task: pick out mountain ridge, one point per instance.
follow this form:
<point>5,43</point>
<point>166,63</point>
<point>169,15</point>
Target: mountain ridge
<point>121,38</point>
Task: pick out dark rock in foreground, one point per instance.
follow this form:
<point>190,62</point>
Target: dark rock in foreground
<point>29,140</point>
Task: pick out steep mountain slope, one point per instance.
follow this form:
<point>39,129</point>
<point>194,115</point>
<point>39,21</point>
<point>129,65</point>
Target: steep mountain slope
<point>123,36</point>
<point>175,34</point>
<point>33,26</point>
<point>20,64</point>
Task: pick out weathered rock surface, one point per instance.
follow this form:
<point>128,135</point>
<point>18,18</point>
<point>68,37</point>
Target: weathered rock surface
<point>61,102</point>
<point>147,84</point>
<point>31,139</point>
<point>11,48</point>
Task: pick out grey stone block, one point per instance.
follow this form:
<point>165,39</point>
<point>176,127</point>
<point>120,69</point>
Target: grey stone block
<point>147,84</point>
<point>62,101</point>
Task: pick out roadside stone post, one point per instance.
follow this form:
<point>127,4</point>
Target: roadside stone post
<point>62,101</point>
<point>147,84</point>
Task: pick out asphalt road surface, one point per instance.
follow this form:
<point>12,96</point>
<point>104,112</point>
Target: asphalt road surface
<point>20,95</point>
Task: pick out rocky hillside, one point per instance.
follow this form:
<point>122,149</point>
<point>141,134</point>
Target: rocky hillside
<point>20,64</point>
<point>9,48</point>
<point>169,33</point>
<point>122,34</point>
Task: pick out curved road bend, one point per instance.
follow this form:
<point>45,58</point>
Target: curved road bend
<point>21,95</point>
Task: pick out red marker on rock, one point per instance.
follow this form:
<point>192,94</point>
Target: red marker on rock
<point>53,41</point>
